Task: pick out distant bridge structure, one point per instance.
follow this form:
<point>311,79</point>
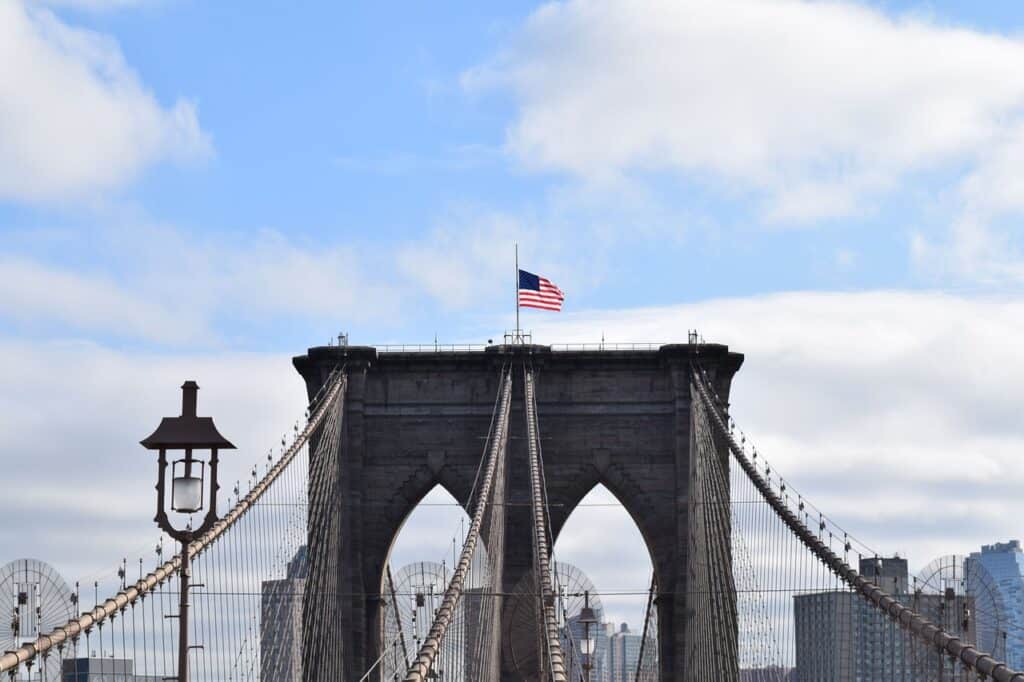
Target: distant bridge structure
<point>294,580</point>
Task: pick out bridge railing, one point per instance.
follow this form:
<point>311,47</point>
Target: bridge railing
<point>430,347</point>
<point>562,347</point>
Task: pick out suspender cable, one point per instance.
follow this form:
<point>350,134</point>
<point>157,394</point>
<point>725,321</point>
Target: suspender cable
<point>552,641</point>
<point>322,648</point>
<point>921,628</point>
<point>101,613</point>
<point>398,616</point>
<point>643,669</point>
<point>421,667</point>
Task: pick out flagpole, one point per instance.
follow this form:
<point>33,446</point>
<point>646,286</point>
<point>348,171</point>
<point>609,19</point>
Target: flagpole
<point>518,331</point>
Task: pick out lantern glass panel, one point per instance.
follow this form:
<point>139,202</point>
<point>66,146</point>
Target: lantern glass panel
<point>187,487</point>
<point>187,494</point>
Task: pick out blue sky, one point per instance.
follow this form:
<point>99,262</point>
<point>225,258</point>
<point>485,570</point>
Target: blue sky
<point>363,132</point>
<point>832,188</point>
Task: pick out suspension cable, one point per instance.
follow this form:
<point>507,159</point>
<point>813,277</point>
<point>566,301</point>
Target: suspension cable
<point>908,619</point>
<point>421,667</point>
<point>114,605</point>
<point>553,643</point>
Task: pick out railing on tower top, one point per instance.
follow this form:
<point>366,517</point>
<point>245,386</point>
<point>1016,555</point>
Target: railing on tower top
<point>430,347</point>
<point>480,347</point>
<point>605,346</point>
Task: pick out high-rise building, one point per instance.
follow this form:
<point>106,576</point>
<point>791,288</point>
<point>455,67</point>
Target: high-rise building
<point>623,655</point>
<point>842,638</point>
<point>281,623</point>
<point>995,578</point>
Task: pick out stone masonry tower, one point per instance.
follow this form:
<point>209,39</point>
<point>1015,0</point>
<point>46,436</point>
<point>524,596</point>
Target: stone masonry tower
<point>414,420</point>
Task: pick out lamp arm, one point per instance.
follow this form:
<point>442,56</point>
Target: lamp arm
<point>161,514</point>
<point>211,514</point>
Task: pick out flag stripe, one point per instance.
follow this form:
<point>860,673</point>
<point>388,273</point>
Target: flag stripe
<point>541,299</point>
<point>541,294</point>
<point>528,301</point>
<point>525,293</point>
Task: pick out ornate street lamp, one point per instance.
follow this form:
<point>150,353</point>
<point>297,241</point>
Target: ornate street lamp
<point>189,492</point>
<point>587,619</point>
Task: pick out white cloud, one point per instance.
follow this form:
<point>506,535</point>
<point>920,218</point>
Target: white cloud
<point>622,565</point>
<point>74,118</point>
<point>164,285</point>
<point>980,245</point>
<point>80,487</point>
<point>896,413</point>
<point>269,272</point>
<point>818,107</point>
<point>33,292</point>
<point>467,259</point>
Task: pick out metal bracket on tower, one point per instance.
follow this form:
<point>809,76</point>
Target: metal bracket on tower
<point>518,336</point>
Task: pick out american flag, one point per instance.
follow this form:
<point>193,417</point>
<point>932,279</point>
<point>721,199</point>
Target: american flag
<point>539,292</point>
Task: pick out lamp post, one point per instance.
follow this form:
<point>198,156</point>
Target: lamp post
<point>587,618</point>
<point>187,433</point>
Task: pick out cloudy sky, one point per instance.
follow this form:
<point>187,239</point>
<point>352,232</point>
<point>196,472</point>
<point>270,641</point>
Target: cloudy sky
<point>194,189</point>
